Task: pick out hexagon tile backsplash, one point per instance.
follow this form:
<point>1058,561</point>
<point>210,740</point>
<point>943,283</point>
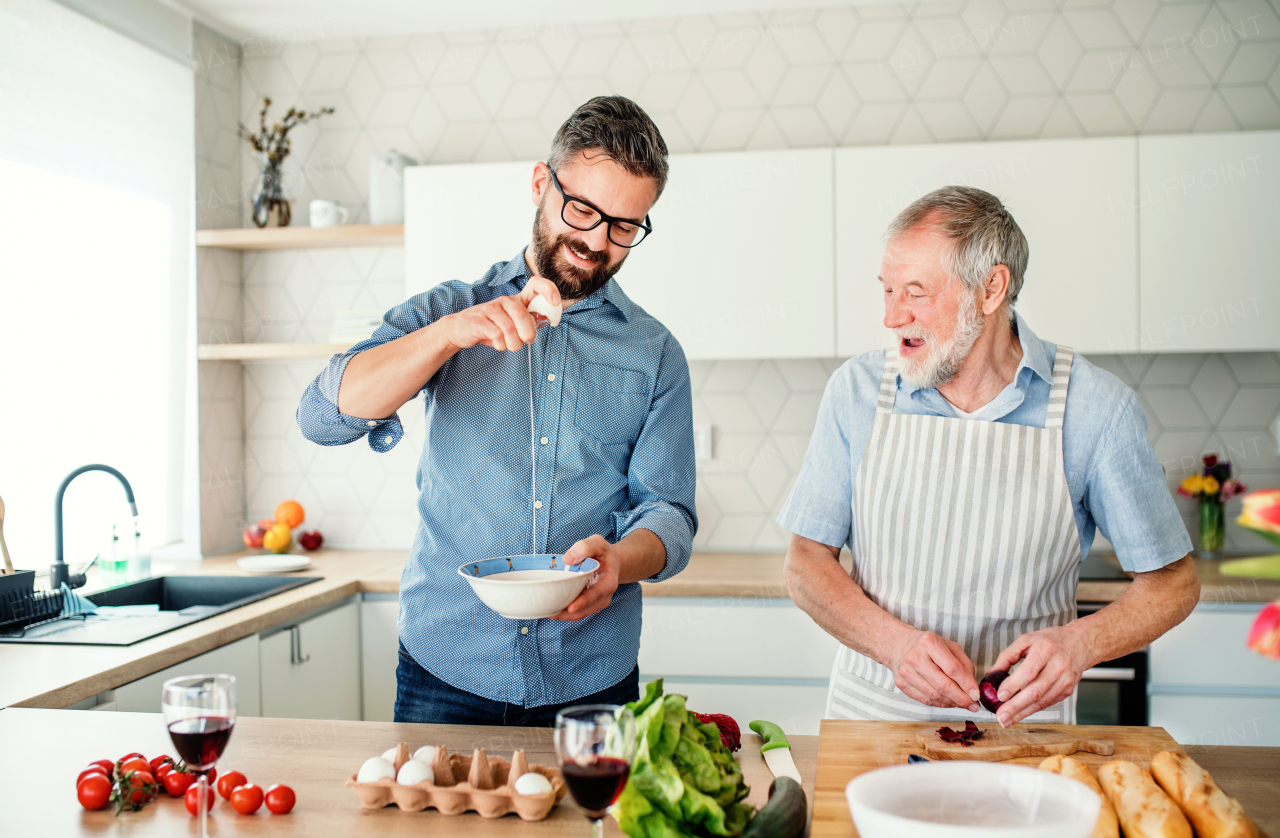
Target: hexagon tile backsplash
<point>841,75</point>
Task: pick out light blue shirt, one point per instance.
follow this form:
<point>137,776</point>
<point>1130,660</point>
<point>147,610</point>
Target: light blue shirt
<point>614,418</point>
<point>1116,482</point>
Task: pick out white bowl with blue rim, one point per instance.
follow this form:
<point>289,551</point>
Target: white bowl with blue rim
<point>528,587</point>
<point>968,799</point>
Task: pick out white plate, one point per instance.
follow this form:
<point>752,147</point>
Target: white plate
<point>272,563</point>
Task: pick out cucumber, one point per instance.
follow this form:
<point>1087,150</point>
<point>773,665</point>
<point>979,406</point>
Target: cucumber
<point>784,815</point>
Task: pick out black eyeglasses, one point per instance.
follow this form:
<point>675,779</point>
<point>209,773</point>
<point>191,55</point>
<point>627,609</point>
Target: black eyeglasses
<point>581,215</point>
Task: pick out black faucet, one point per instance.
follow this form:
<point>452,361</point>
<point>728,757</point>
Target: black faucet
<point>59,572</point>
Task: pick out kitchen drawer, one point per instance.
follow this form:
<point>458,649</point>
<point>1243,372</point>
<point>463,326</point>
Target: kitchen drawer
<point>796,708</point>
<point>379,646</point>
<point>239,658</point>
<point>1208,649</point>
<point>1218,719</point>
<point>727,637</point>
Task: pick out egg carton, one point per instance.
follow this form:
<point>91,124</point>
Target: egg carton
<point>477,783</point>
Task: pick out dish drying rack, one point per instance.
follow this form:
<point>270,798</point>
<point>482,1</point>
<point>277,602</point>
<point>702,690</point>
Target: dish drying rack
<point>21,606</point>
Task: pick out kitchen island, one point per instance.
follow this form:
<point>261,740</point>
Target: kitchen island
<point>37,795</point>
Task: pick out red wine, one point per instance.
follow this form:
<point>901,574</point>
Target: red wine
<point>200,741</point>
<point>598,785</point>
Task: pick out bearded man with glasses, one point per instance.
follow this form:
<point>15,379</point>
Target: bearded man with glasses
<point>608,394</point>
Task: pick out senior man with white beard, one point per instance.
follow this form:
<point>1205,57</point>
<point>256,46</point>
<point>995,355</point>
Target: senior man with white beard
<point>968,470</point>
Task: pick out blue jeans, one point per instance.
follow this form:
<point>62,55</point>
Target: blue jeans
<point>423,698</point>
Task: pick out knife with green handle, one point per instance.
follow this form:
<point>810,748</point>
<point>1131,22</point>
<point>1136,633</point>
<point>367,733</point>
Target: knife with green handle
<point>776,750</point>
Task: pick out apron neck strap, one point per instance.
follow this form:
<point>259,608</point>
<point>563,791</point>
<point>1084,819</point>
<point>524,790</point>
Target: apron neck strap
<point>888,382</point>
<point>1058,391</point>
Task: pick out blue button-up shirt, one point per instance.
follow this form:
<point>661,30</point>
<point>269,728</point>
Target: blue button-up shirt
<point>1113,473</point>
<point>614,443</point>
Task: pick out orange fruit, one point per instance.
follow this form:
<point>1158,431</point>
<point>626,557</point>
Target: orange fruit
<point>290,514</point>
<point>278,539</point>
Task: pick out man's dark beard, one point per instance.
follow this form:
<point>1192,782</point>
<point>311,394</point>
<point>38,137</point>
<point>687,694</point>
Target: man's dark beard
<point>573,282</point>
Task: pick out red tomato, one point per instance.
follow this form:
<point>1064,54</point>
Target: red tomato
<point>156,762</point>
<point>93,791</point>
<point>280,799</point>
<point>144,788</point>
<point>105,764</point>
<point>229,782</point>
<point>212,775</point>
<point>162,771</point>
<point>176,783</point>
<point>193,799</point>
<point>93,769</point>
<point>247,799</point>
<point>128,757</point>
<point>136,764</point>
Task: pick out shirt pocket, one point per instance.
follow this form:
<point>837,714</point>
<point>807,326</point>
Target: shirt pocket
<point>613,403</point>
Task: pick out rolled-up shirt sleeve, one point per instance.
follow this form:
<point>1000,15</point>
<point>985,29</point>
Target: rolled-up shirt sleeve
<point>1127,496</point>
<point>820,506</point>
<point>662,475</point>
<point>318,416</point>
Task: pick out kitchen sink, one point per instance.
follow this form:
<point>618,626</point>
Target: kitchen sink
<point>182,600</point>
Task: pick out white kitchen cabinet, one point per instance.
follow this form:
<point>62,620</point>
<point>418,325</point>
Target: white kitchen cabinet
<point>379,655</point>
<point>740,263</point>
<point>238,658</point>
<point>311,668</point>
<point>1210,266</point>
<point>1073,200</point>
<point>460,219</point>
<point>752,659</point>
<point>1207,688</point>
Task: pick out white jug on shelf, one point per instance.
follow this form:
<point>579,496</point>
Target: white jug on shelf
<point>386,187</point>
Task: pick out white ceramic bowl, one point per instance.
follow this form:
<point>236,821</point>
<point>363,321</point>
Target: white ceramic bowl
<point>527,587</point>
<point>970,799</point>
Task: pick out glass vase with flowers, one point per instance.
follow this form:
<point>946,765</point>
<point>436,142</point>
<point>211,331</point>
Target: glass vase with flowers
<point>272,145</point>
<point>1212,488</point>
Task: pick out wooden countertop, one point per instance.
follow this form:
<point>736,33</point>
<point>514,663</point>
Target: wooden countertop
<point>41,675</point>
<point>314,758</point>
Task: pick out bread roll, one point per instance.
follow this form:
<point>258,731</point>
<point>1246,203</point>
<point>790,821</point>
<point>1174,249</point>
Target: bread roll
<point>1144,810</point>
<point>1107,825</point>
<point>1211,812</point>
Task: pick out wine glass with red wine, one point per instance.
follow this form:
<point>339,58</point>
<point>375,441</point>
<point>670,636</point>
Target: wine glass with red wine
<point>595,744</point>
<point>200,711</point>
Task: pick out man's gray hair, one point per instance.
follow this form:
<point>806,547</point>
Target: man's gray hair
<point>618,128</point>
<point>981,231</point>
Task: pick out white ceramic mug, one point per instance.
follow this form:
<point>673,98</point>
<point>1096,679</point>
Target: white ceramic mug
<point>326,213</point>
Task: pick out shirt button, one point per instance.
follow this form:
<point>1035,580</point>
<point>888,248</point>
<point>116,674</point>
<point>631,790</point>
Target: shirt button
<point>537,504</point>
<point>390,439</point>
<point>551,376</point>
<point>372,423</point>
<point>544,440</point>
<point>524,629</point>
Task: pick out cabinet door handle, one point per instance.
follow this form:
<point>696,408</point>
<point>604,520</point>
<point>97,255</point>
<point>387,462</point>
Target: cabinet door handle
<point>1109,673</point>
<point>295,647</point>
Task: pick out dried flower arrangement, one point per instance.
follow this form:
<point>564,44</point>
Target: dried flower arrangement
<point>274,143</point>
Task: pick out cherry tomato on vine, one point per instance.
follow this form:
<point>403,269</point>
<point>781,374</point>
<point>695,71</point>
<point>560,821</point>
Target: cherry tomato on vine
<point>176,783</point>
<point>93,791</point>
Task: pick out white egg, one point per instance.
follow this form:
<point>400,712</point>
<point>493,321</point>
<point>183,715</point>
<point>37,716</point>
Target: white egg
<point>375,769</point>
<point>532,783</point>
<point>541,305</point>
<point>414,772</point>
<point>390,754</point>
<point>427,754</point>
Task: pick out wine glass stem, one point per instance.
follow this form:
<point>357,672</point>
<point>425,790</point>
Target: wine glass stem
<point>597,828</point>
<point>203,782</point>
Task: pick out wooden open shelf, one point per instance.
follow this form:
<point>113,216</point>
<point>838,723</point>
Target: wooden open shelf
<point>293,238</point>
<point>267,351</point>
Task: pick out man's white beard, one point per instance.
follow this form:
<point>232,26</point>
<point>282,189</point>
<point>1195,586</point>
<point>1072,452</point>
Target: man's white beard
<point>943,361</point>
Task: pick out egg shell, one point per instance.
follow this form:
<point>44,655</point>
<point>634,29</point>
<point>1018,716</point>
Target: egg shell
<point>414,772</point>
<point>390,755</point>
<point>532,783</point>
<point>541,305</point>
<point>427,754</point>
<point>375,769</point>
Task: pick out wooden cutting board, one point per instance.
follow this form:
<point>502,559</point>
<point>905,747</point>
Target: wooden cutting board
<point>847,749</point>
<point>998,744</point>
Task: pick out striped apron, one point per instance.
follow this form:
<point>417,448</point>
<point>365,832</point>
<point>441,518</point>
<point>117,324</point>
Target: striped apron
<point>964,528</point>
